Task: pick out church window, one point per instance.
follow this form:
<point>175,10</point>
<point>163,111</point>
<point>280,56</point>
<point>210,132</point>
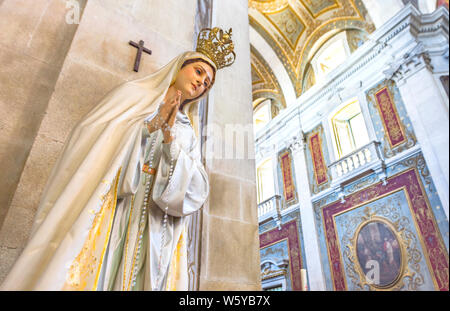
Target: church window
<point>349,128</point>
<point>265,180</point>
<point>262,115</point>
<point>332,53</point>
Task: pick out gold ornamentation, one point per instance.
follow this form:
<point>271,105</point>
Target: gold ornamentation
<point>318,17</point>
<point>173,274</point>
<point>288,23</point>
<point>217,45</point>
<point>264,83</point>
<point>419,163</point>
<point>125,285</point>
<point>289,232</point>
<point>85,270</point>
<point>389,117</point>
<point>267,5</point>
<point>290,194</point>
<point>267,273</point>
<point>316,8</point>
<point>320,170</point>
<point>271,236</point>
<point>396,137</point>
<point>361,184</point>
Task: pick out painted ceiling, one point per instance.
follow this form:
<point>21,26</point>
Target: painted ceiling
<point>296,28</point>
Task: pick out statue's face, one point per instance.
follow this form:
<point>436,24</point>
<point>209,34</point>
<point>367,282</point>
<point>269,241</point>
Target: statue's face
<point>193,79</point>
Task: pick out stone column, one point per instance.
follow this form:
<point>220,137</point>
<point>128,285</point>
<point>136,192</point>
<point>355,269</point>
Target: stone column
<point>313,262</point>
<point>429,115</point>
<point>229,254</point>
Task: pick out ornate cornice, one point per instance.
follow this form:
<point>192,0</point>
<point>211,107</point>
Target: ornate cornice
<point>409,63</point>
<point>380,43</point>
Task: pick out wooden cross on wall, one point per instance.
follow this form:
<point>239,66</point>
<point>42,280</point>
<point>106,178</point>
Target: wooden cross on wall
<point>141,49</point>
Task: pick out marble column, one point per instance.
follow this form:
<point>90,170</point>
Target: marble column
<point>313,262</point>
<point>428,111</point>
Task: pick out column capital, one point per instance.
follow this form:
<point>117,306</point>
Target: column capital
<point>297,143</point>
<point>408,64</point>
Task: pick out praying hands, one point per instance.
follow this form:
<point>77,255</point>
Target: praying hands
<point>165,118</point>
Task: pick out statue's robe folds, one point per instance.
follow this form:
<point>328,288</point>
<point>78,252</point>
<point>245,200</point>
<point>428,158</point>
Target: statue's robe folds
<point>134,249</point>
<point>88,196</point>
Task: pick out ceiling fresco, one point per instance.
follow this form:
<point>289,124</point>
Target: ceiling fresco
<point>292,27</point>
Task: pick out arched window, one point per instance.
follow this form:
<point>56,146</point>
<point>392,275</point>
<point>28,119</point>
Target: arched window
<point>262,114</point>
<point>349,128</point>
<point>332,53</point>
<point>265,180</point>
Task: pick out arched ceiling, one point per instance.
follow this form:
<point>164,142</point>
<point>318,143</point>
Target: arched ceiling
<point>264,82</point>
<point>293,27</point>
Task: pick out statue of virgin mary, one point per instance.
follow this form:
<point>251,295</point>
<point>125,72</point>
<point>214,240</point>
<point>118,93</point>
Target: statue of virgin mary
<point>113,213</point>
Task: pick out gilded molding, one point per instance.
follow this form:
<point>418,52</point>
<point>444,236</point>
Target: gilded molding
<point>343,14</point>
<point>266,84</point>
<point>410,140</point>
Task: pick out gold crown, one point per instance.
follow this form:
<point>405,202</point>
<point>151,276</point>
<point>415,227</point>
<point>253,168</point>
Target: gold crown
<point>217,45</point>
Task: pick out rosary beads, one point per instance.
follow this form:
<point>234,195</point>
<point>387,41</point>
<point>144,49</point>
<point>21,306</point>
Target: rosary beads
<point>164,126</point>
<point>163,237</point>
<point>145,206</point>
<point>159,120</point>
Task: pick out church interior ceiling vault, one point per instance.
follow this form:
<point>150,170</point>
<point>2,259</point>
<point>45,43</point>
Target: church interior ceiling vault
<point>294,27</point>
<point>264,83</point>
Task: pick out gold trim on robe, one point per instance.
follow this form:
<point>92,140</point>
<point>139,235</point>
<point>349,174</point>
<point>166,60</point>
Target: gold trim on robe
<point>179,255</point>
<point>85,270</point>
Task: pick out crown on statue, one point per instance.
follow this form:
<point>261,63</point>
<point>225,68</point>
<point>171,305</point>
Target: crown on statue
<point>217,45</point>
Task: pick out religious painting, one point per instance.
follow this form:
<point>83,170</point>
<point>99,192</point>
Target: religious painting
<point>391,226</point>
<point>377,245</point>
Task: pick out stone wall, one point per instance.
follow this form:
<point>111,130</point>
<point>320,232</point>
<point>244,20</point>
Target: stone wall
<point>34,41</point>
<point>33,44</point>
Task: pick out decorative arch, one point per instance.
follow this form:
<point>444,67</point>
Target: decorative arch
<point>341,25</point>
<point>264,83</point>
<point>354,37</point>
<point>273,20</point>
